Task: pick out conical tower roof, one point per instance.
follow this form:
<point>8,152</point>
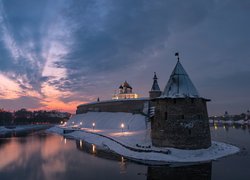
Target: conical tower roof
<point>179,84</point>
<point>155,86</point>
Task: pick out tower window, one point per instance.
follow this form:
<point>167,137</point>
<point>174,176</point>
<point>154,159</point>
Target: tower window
<point>174,101</point>
<point>182,117</point>
<point>189,132</point>
<point>166,115</point>
<point>192,101</point>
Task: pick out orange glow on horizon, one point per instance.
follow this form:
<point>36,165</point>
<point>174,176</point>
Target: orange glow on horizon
<point>50,97</point>
<point>60,106</point>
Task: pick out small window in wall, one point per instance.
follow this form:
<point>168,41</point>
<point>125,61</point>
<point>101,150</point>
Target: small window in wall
<point>192,101</point>
<point>182,117</point>
<point>189,132</point>
<point>158,125</point>
<point>166,115</point>
<point>174,101</point>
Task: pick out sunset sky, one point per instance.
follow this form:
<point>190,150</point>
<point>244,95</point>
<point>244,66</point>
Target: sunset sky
<point>56,54</point>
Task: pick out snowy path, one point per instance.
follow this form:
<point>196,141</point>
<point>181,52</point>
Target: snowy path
<point>151,155</point>
<point>139,148</point>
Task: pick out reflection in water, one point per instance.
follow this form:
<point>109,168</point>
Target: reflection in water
<point>99,152</point>
<point>123,165</point>
<point>81,144</point>
<point>103,153</point>
<point>227,127</point>
<point>193,172</point>
<point>42,156</point>
<point>21,154</point>
<point>93,149</point>
<point>10,153</point>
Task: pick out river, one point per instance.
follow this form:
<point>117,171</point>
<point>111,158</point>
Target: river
<point>38,155</point>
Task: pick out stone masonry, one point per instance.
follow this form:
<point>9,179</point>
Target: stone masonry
<point>128,105</point>
<point>181,123</point>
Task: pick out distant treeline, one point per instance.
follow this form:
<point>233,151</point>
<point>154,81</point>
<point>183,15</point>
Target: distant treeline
<point>24,116</point>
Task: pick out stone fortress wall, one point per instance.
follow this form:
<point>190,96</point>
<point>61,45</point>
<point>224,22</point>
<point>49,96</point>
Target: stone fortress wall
<point>139,106</point>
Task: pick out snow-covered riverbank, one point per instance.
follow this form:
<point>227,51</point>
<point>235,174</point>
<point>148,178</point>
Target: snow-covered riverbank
<point>133,139</point>
<point>21,128</point>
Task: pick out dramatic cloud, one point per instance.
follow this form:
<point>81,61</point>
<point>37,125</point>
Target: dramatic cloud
<point>62,53</point>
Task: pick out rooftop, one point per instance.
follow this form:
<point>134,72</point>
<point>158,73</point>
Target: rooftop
<point>179,84</point>
<point>155,86</point>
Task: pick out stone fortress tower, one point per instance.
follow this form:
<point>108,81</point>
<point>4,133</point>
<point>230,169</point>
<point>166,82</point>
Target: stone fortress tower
<point>180,114</point>
<point>155,90</point>
<point>153,93</point>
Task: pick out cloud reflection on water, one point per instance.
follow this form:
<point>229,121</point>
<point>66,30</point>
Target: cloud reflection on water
<point>21,153</point>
